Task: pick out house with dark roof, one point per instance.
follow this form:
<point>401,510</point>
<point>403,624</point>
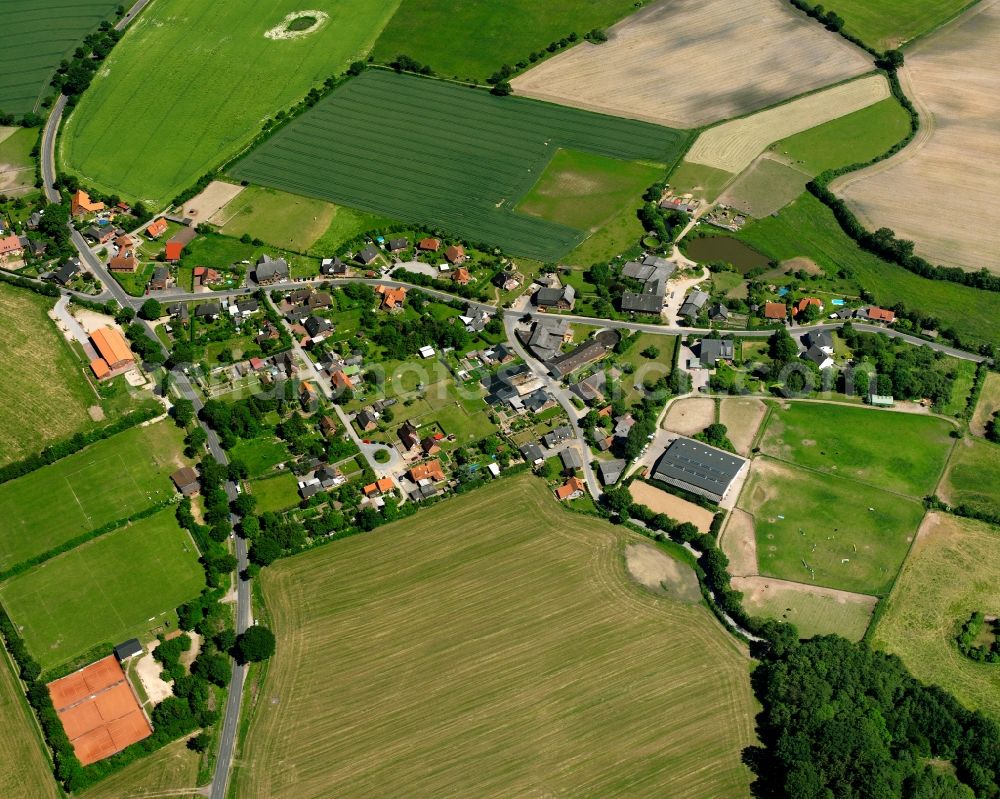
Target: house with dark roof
<point>160,278</point>
<point>589,351</point>
<point>634,302</point>
<point>65,273</point>
<point>398,245</point>
<point>532,453</point>
<point>185,480</point>
<point>561,299</point>
<point>317,327</point>
<point>819,357</point>
<point>713,350</point>
<point>408,436</point>
<point>128,649</point>
<point>571,459</point>
<point>178,311</point>
<point>698,468</point>
<point>638,271</point>
<point>557,436</point>
<point>366,420</point>
<point>591,389</point>
<point>611,471</point>
<point>270,270</point>
<point>718,313</point>
<point>538,401</point>
<point>367,255</point>
<point>333,267</point>
<point>208,310</point>
<point>823,339</point>
<point>693,304</point>
<point>546,338</point>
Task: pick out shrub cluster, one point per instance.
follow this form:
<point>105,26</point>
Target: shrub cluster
<point>966,640</point>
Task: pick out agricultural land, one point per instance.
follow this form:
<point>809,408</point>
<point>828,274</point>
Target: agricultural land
<point>927,193</point>
<point>950,574</point>
<point>36,35</point>
<point>406,624</point>
<point>220,77</point>
<point>890,23</point>
<point>37,362</point>
<point>505,33</point>
<point>690,63</point>
<point>989,404</point>
<point>24,764</point>
<point>732,146</point>
<point>973,476</point>
<point>17,167</point>
<point>466,179</point>
<point>107,481</point>
<point>167,772</point>
<point>765,188</point>
<point>119,585</point>
<point>807,228</point>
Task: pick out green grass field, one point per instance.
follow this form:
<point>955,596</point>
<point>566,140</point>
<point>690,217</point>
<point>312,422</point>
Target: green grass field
<point>515,658</point>
<point>988,404</point>
<point>808,228</point>
<point>852,139</point>
<point>950,573</point>
<point>646,368</point>
<point>106,481</point>
<point>345,225</point>
<point>282,219</point>
<point>37,363</point>
<point>973,476</point>
<point>471,39</point>
<point>965,377</point>
<point>418,164</point>
<point>24,763</point>
<point>123,584</point>
<point>165,772</point>
<point>700,180</point>
<point>34,37</point>
<point>584,191</point>
<point>17,167</point>
<point>819,529</point>
<point>275,493</point>
<point>899,452</point>
<point>195,81</point>
<point>260,454</point>
<point>621,232</point>
<point>889,23</point>
<point>765,188</point>
<point>812,611</point>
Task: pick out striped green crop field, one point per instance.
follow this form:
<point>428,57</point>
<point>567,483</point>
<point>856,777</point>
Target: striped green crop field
<point>35,35</point>
<point>445,155</point>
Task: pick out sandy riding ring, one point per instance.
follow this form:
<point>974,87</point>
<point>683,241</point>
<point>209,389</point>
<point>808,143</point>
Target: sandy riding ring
<point>298,24</point>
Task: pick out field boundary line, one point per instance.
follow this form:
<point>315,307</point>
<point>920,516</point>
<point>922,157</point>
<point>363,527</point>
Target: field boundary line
<point>821,473</point>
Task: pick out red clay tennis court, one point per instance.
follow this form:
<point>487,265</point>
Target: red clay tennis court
<point>98,710</point>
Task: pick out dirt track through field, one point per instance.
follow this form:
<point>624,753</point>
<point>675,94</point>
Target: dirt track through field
<point>734,145</point>
<point>688,63</point>
<point>943,190</point>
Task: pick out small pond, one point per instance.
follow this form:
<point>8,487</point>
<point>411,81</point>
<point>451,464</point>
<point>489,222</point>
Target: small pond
<point>725,248</point>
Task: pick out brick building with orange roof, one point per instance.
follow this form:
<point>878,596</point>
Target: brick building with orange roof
<point>81,204</point>
<point>114,354</point>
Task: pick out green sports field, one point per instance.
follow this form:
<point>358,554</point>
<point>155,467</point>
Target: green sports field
<point>439,656</point>
<point>444,155</point>
<point>808,228</point>
<point>584,191</point>
<point>34,37</point>
<point>852,139</point>
<point>889,23</point>
<point>106,481</point>
<point>191,82</point>
<point>899,452</point>
<point>472,39</point>
<point>828,531</point>
<point>124,584</point>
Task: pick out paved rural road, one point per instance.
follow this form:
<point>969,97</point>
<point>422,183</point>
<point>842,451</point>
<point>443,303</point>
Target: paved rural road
<point>562,397</point>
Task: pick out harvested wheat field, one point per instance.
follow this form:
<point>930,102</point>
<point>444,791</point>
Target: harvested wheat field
<point>732,146</point>
<point>675,507</point>
<point>739,542</point>
<point>742,418</point>
<point>690,416</point>
<point>943,190</point>
<point>442,657</point>
<point>688,63</point>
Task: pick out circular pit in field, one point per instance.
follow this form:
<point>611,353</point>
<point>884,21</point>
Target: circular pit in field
<point>298,24</point>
